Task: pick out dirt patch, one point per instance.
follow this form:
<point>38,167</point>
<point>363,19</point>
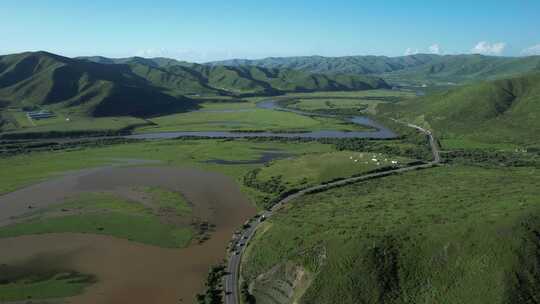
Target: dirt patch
<point>129,272</point>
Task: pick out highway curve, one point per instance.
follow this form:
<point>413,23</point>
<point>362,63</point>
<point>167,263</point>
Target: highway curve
<point>231,280</point>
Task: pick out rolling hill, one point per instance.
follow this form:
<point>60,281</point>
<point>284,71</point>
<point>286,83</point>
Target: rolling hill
<point>29,80</point>
<point>183,77</point>
<point>505,110</point>
<point>136,86</point>
<point>348,64</point>
<point>419,68</point>
<point>107,96</point>
<point>158,62</point>
<point>467,68</point>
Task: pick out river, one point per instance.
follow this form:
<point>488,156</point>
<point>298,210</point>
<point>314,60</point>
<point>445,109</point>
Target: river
<point>381,132</point>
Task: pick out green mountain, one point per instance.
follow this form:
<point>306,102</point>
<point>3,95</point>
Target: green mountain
<point>348,64</point>
<point>34,79</point>
<point>418,68</point>
<point>454,234</point>
<point>467,68</point>
<point>80,90</point>
<point>190,78</point>
<point>136,86</point>
<point>505,110</point>
<point>158,62</point>
<point>263,80</point>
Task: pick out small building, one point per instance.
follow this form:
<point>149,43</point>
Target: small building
<point>40,115</point>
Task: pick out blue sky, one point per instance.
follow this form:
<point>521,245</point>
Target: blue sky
<point>211,30</point>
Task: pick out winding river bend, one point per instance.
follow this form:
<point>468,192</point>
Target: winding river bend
<point>137,273</point>
<point>380,132</point>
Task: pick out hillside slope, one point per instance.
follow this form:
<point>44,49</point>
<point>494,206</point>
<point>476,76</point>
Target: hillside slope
<point>430,236</point>
<point>498,111</point>
<point>157,62</point>
<point>136,86</point>
<point>348,64</point>
<point>418,68</point>
<point>79,90</point>
<point>467,68</point>
<point>38,79</point>
<point>191,78</point>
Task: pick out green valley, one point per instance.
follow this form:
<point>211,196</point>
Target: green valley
<point>294,180</point>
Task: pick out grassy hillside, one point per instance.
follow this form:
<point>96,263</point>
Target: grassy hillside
<point>420,68</point>
<point>348,103</point>
<point>467,68</point>
<point>348,64</point>
<point>502,111</point>
<point>165,73</point>
<point>80,89</point>
<point>31,80</point>
<point>158,62</point>
<point>428,236</point>
<point>143,87</point>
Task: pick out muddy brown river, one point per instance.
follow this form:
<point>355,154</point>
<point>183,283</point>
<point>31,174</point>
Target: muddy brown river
<point>130,272</point>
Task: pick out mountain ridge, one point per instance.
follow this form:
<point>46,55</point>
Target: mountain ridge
<point>418,67</point>
<point>98,86</point>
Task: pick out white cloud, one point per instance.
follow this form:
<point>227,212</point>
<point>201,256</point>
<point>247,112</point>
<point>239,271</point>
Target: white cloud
<point>410,51</point>
<point>435,49</point>
<point>486,48</point>
<point>532,50</point>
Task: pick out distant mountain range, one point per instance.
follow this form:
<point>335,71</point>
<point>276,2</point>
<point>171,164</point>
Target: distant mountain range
<point>418,68</point>
<point>99,86</point>
<point>157,62</point>
<point>140,87</point>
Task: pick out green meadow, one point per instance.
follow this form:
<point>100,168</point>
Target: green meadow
<point>284,175</point>
<point>57,126</point>
<point>103,213</point>
<point>252,120</point>
<point>41,285</point>
<point>443,235</point>
<point>24,169</point>
<point>355,101</point>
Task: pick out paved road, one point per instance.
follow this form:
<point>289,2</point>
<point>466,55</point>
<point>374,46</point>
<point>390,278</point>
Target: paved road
<point>231,280</point>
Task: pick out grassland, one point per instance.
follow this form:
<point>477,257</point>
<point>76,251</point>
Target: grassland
<point>423,237</point>
<point>381,94</point>
<point>101,213</point>
<point>20,126</point>
<point>357,101</point>
<point>165,199</point>
<point>284,175</point>
<point>413,69</point>
<point>471,144</point>
<point>24,169</point>
<point>214,116</point>
<point>31,284</point>
<point>489,113</point>
<point>253,120</point>
<point>230,105</point>
<point>141,88</point>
